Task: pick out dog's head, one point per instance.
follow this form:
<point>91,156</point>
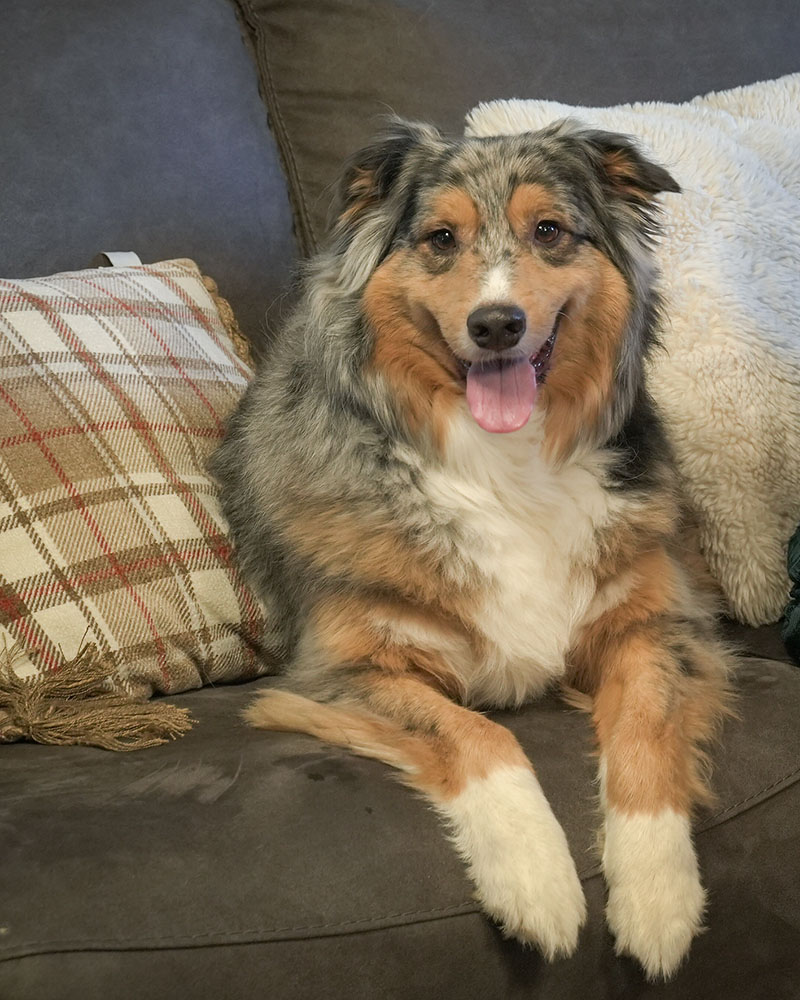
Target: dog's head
<point>515,271</point>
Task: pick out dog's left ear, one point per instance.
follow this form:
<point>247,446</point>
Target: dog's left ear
<point>625,170</point>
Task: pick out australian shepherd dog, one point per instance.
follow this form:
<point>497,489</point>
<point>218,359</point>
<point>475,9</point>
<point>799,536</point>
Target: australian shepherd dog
<point>450,489</point>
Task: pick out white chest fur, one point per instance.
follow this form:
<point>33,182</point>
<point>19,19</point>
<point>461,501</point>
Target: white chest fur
<point>532,531</point>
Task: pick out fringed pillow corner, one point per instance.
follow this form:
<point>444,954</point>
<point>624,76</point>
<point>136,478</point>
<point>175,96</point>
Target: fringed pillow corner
<point>82,702</point>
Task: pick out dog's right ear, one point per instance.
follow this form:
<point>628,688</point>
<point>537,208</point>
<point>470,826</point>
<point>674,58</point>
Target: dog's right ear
<point>373,171</point>
<point>373,194</point>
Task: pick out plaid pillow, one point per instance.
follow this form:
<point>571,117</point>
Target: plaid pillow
<point>114,386</point>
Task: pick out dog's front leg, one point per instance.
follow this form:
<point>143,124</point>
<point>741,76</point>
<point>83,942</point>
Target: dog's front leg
<point>477,777</point>
<point>483,785</point>
<point>657,679</point>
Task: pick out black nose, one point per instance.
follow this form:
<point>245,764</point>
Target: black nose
<point>496,327</point>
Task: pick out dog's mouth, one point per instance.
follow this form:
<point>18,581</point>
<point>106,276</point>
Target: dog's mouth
<point>541,360</point>
<point>501,390</point>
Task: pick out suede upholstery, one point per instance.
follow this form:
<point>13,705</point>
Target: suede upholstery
<point>241,864</point>
<point>138,126</point>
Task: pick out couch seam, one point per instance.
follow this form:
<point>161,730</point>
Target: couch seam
<point>718,817</point>
<point>457,909</point>
<point>308,237</point>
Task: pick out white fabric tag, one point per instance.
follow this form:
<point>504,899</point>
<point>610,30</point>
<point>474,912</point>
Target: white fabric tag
<point>117,258</point>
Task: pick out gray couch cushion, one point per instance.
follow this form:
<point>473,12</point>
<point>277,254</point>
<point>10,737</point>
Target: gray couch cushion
<point>329,69</point>
<point>245,864</point>
<point>138,126</point>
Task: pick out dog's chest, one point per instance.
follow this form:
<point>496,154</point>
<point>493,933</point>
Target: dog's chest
<point>531,535</point>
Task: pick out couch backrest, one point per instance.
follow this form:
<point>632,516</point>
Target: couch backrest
<point>139,126</point>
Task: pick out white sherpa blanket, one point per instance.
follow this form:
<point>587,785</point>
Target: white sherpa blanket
<point>728,384</point>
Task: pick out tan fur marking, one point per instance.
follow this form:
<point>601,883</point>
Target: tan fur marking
<point>528,205</point>
<point>653,594</point>
<point>621,174</point>
<point>580,383</point>
<point>650,718</point>
<point>353,728</point>
<point>466,744</point>
<point>347,634</point>
<point>454,209</point>
<point>640,737</point>
<point>656,593</point>
<point>361,193</point>
<point>437,745</point>
<point>448,296</point>
<point>651,725</point>
<point>620,546</point>
<point>342,543</point>
<point>409,352</point>
<point>542,289</point>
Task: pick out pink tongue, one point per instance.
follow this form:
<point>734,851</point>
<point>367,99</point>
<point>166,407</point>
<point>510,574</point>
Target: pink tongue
<point>501,394</point>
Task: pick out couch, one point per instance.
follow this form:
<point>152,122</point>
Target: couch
<point>234,863</point>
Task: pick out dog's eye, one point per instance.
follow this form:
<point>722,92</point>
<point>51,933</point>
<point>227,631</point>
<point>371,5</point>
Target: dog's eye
<point>442,239</point>
<point>547,232</point>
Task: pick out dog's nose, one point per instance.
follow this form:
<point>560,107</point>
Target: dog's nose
<point>496,327</point>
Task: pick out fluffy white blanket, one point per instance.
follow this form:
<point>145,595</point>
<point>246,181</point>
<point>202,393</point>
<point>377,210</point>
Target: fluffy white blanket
<point>728,384</point>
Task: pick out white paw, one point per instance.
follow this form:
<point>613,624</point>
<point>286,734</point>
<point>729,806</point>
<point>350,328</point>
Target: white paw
<point>655,900</point>
<point>518,858</point>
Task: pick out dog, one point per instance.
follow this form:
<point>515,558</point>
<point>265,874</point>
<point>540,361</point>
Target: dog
<point>450,489</point>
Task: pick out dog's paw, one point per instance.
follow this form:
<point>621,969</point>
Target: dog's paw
<point>536,899</point>
<point>655,899</point>
<point>518,858</point>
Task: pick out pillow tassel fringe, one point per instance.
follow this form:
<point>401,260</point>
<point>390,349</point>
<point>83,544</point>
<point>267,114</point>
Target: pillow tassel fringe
<point>76,704</point>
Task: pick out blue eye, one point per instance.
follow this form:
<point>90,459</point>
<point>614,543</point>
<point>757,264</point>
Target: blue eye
<point>547,232</point>
<point>442,240</point>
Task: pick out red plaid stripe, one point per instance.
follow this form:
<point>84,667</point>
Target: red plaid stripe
<point>115,387</point>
